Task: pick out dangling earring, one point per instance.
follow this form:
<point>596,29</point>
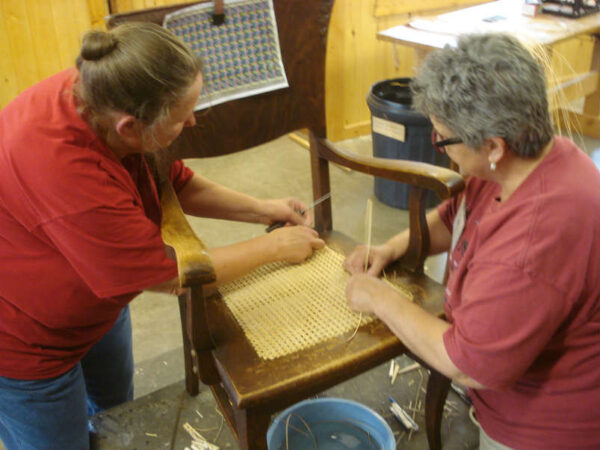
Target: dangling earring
<point>492,166</point>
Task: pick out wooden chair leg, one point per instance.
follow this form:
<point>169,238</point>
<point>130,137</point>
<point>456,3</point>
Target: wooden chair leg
<point>249,425</point>
<point>192,381</point>
<point>437,391</point>
<point>252,426</point>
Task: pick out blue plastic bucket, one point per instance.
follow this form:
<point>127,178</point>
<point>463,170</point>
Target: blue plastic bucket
<point>334,423</point>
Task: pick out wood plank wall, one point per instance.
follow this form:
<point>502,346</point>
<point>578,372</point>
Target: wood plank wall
<point>356,59</point>
<point>41,37</point>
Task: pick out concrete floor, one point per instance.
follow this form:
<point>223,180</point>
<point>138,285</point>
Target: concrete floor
<point>156,420</point>
<point>280,168</point>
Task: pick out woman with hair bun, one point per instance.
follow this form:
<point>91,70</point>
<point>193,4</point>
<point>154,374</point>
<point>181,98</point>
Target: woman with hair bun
<point>80,227</point>
<point>522,300</point>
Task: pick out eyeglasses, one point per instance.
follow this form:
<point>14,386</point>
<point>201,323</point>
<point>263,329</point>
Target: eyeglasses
<point>440,145</point>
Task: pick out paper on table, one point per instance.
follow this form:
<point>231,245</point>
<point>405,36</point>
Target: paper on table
<point>498,16</point>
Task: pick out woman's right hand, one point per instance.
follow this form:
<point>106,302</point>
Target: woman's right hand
<point>379,257</point>
<point>294,244</point>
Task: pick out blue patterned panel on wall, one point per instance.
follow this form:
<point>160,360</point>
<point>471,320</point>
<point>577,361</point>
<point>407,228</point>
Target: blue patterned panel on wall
<point>241,57</point>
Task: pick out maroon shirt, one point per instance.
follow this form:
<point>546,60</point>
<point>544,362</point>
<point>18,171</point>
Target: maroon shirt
<point>523,297</point>
<point>79,232</point>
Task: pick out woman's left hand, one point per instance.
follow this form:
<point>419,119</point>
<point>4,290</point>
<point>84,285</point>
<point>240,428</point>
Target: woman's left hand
<point>363,291</point>
<point>287,210</point>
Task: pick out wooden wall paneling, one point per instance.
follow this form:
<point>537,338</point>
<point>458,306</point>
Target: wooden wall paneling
<point>571,60</point>
<point>119,6</point>
<point>72,18</point>
<point>355,61</point>
<point>64,24</point>
<point>572,56</point>
<point>39,38</point>
<point>44,39</point>
<point>21,51</point>
<point>98,10</point>
<point>8,70</point>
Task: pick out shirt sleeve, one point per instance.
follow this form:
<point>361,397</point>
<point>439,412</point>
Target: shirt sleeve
<point>180,174</point>
<point>115,249</point>
<point>505,320</point>
<point>449,208</point>
<point>447,211</point>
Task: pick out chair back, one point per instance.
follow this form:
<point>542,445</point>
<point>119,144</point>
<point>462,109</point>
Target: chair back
<point>215,349</point>
<point>247,122</point>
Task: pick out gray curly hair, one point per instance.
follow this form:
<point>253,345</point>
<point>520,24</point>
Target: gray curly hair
<point>488,85</point>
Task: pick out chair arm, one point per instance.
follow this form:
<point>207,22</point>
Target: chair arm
<point>444,182</point>
<point>193,260</point>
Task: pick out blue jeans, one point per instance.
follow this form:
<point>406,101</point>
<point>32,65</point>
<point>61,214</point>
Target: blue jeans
<point>53,413</point>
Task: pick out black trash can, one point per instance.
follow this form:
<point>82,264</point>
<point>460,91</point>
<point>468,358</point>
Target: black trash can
<point>400,132</point>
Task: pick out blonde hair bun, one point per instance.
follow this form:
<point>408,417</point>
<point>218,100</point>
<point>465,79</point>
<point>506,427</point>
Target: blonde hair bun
<point>97,44</point>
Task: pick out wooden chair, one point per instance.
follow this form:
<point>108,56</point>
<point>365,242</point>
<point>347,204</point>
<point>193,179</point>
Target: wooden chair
<point>248,389</point>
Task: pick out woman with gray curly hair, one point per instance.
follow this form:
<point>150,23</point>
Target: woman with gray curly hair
<point>522,299</point>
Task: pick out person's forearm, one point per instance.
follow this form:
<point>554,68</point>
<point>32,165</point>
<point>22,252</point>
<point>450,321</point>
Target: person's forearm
<point>202,197</point>
<point>235,260</point>
<point>422,333</point>
<point>229,262</point>
<point>439,237</point>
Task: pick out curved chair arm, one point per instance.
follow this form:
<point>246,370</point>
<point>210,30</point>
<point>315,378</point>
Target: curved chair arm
<point>420,176</point>
<point>444,182</point>
<point>193,260</point>
<point>195,270</point>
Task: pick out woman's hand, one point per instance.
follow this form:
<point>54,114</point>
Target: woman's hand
<point>379,257</point>
<point>363,291</point>
<point>286,210</point>
<point>294,244</point>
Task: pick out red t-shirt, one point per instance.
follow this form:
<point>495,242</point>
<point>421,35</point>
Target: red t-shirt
<point>79,232</point>
<point>523,298</point>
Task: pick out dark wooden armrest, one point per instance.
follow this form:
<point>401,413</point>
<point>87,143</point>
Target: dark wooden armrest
<point>195,270</point>
<point>193,260</point>
<point>420,176</point>
<point>444,182</point>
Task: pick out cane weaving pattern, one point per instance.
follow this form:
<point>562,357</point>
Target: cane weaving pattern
<point>241,57</point>
<point>283,308</point>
